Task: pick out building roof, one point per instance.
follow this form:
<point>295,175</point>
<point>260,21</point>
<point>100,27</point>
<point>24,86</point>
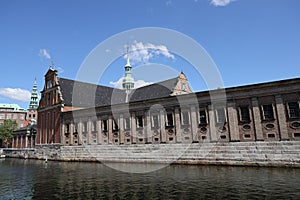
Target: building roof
<point>154,91</point>
<point>31,128</point>
<point>13,107</point>
<point>91,95</point>
<point>87,94</point>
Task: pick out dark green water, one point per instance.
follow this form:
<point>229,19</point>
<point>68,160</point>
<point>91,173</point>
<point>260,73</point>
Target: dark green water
<point>34,179</point>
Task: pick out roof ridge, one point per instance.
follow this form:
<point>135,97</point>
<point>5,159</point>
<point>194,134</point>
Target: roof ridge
<point>92,84</point>
<point>158,83</point>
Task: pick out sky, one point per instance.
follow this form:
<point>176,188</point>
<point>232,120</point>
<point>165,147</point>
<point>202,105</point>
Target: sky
<point>249,41</point>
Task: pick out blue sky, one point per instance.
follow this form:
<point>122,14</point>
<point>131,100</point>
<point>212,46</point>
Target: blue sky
<point>250,41</point>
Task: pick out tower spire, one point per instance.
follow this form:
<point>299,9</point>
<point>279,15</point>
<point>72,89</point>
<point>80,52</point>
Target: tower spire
<point>128,81</point>
<point>127,57</point>
<point>34,97</point>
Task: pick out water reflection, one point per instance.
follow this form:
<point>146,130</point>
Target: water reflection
<point>21,179</point>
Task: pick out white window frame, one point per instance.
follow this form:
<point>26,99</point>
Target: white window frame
<point>183,117</point>
<point>288,109</point>
<point>217,109</point>
<point>153,121</point>
<point>167,120</point>
<point>263,111</point>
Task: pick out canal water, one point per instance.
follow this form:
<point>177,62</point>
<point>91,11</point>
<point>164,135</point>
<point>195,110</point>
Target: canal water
<point>35,179</point>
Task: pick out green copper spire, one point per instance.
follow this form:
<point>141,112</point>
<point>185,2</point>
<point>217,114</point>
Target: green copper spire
<point>34,98</point>
<point>128,81</point>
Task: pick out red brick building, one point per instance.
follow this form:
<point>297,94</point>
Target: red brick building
<point>50,107</point>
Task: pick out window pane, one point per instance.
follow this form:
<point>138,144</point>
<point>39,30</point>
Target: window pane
<point>268,112</point>
<point>115,125</point>
<point>127,123</point>
<point>294,109</point>
<point>244,114</point>
<point>185,118</point>
<point>221,115</point>
<point>104,125</point>
<point>203,117</point>
<point>155,122</point>
<point>170,119</point>
<point>140,121</point>
<point>84,127</point>
<point>94,126</point>
<point>67,128</point>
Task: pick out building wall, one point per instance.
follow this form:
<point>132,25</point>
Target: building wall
<point>10,113</point>
<point>31,114</point>
<point>263,115</point>
<point>49,111</point>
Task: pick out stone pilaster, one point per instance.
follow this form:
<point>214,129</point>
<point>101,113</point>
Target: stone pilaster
<point>257,119</point>
<point>110,133</point>
<point>99,132</point>
<point>80,139</point>
<point>71,133</point>
<point>26,141</point>
<point>21,142</point>
<point>281,118</point>
<point>133,128</point>
<point>212,124</point>
<point>148,134</point>
<point>162,126</point>
<point>233,122</point>
<point>121,127</point>
<point>88,132</point>
<point>178,126</point>
<point>194,124</point>
<point>63,137</point>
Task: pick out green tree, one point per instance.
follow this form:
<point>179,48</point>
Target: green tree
<point>6,130</point>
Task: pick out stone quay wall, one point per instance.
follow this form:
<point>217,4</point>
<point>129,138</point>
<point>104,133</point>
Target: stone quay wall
<point>273,154</point>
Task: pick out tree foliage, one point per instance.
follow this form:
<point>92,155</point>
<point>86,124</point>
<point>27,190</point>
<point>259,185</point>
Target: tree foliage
<point>6,129</point>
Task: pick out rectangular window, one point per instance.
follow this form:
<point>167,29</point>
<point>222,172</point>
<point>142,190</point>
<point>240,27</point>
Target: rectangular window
<point>15,116</point>
<point>67,128</point>
<point>169,121</point>
<point>268,113</point>
<point>2,116</point>
<point>220,115</point>
<point>94,125</point>
<point>155,121</point>
<point>76,128</point>
<point>84,127</point>
<point>104,125</point>
<point>185,119</point>
<point>8,116</point>
<point>126,123</point>
<point>21,117</point>
<point>115,125</point>
<point>293,110</point>
<point>244,114</point>
<point>139,122</point>
<point>202,116</point>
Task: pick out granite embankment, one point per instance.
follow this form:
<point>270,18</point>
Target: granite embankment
<point>276,154</point>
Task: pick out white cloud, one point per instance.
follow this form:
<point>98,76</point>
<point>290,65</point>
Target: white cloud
<point>44,53</point>
<point>143,52</point>
<point>16,94</point>
<point>137,84</point>
<point>221,2</point>
<point>141,83</point>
